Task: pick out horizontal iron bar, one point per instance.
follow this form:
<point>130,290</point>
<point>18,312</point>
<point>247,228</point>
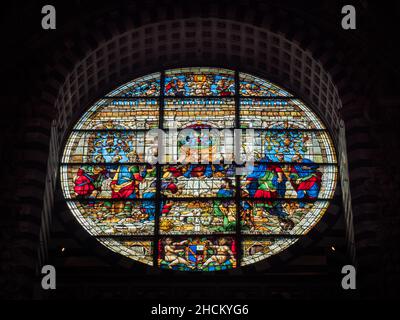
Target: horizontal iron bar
<point>199,129</point>
<point>167,97</point>
<point>233,235</point>
<point>194,163</point>
<point>195,199</point>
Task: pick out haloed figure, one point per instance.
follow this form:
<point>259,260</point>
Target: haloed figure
<point>305,179</point>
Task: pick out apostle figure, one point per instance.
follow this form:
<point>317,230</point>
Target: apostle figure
<point>169,178</point>
<point>125,182</point>
<point>222,209</point>
<point>305,178</point>
<point>263,184</point>
<point>223,88</point>
<point>263,181</point>
<point>175,87</point>
<point>88,180</point>
<point>148,206</point>
<point>281,181</point>
<point>84,183</point>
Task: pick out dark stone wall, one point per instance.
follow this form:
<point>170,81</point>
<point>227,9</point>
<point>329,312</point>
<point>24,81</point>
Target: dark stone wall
<point>39,67</point>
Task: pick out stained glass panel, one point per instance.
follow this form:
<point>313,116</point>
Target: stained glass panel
<point>138,250</point>
<point>199,82</point>
<point>102,217</point>
<point>198,180</point>
<point>257,249</point>
<point>148,86</point>
<point>288,146</point>
<point>193,145</point>
<point>302,181</point>
<point>199,113</point>
<point>253,86</point>
<point>202,217</point>
<point>109,181</point>
<point>110,147</point>
<point>277,114</point>
<point>197,253</point>
<point>280,216</point>
<point>121,114</point>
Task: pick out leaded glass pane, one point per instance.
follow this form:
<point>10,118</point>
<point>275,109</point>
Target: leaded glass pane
<point>194,145</point>
<point>277,114</point>
<point>109,217</point>
<point>301,180</point>
<point>110,147</point>
<point>280,216</point>
<point>258,249</point>
<point>148,86</point>
<point>288,146</point>
<point>198,217</point>
<point>253,86</point>
<point>138,250</point>
<point>197,253</point>
<point>199,112</point>
<point>198,180</point>
<point>121,114</point>
<point>108,181</point>
<point>199,82</point>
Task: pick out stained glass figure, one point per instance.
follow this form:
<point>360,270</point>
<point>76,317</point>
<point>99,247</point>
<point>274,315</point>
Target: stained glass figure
<point>302,180</point>
<point>156,171</point>
<point>108,181</point>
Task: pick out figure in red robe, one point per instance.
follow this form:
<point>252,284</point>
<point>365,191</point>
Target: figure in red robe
<point>88,181</point>
<point>125,184</point>
<point>305,179</point>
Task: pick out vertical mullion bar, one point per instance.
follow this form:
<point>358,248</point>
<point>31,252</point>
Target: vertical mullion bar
<point>237,100</point>
<point>159,173</point>
<point>237,178</point>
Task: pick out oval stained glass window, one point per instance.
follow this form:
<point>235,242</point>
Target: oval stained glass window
<point>198,169</point>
